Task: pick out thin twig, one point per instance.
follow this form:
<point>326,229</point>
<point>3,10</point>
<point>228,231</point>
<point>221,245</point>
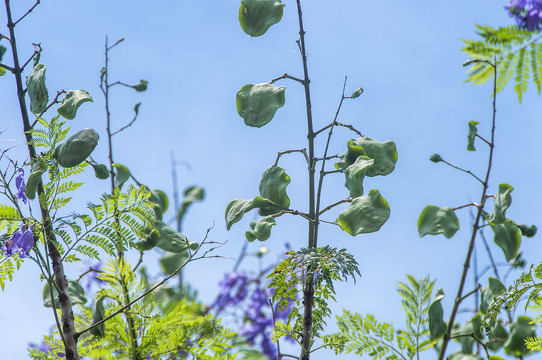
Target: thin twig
<point>55,101</point>
<point>164,280</point>
<point>37,52</point>
<point>471,293</point>
<point>12,70</point>
<point>466,205</point>
<point>348,200</point>
<point>129,124</point>
<point>286,76</point>
<point>28,12</point>
<point>465,171</point>
<point>303,151</point>
<point>484,140</point>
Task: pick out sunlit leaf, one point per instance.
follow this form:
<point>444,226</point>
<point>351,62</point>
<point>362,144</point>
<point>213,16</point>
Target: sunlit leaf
<point>261,230</point>
<point>257,16</point>
<point>355,174</point>
<point>258,103</point>
<point>101,171</point>
<point>437,326</point>
<point>238,207</point>
<point>501,202</point>
<point>37,90</point>
<point>38,168</point>
<point>77,148</point>
<point>365,214</point>
<point>169,239</point>
<point>273,187</point>
<point>508,238</point>
<point>357,93</point>
<point>122,174</point>
<point>140,87</point>
<point>436,220</point>
<point>71,102</point>
<point>472,135</point>
<point>383,153</point>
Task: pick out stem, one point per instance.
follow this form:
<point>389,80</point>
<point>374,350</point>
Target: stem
<point>134,346</point>
<point>67,319</point>
<point>308,291</point>
<point>475,226</point>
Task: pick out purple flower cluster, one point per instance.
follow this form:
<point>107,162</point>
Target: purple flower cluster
<point>233,290</point>
<point>257,316</point>
<point>21,242</point>
<point>528,13</point>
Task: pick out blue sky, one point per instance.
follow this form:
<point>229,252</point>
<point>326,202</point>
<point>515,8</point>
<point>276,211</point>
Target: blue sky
<point>407,57</point>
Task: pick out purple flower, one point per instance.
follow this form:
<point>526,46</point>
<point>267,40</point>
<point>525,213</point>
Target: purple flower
<point>21,187</point>
<point>527,13</point>
<point>21,242</point>
<point>233,290</point>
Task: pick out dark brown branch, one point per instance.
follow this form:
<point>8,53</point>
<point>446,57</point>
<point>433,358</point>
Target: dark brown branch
<point>37,52</point>
<point>12,70</point>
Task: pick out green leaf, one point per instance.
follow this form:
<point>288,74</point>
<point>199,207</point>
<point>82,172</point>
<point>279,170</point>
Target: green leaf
<point>140,87</point>
<point>383,153</point>
<point>436,220</point>
<point>75,291</point>
<point>497,336</point>
<point>172,261</point>
<point>473,326</point>
<point>258,103</point>
<point>520,330</point>
<point>365,214</point>
<point>101,171</point>
<point>149,242</point>
<point>3,50</point>
<point>238,207</point>
<point>261,230</point>
<point>355,174</point>
<point>122,175</point>
<point>2,71</point>
<point>37,90</point>
<point>462,356</point>
<point>159,198</point>
<point>501,202</point>
<point>472,135</point>
<point>191,195</point>
<point>437,326</point>
<point>98,314</point>
<point>273,187</point>
<point>508,238</point>
<point>528,231</point>
<point>72,101</point>
<point>493,289</point>
<point>77,148</point>
<point>38,168</point>
<point>257,16</point>
<point>435,158</point>
<point>357,93</point>
<point>169,239</point>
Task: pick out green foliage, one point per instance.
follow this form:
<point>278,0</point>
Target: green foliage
<point>258,103</point>
<point>365,214</point>
<point>518,55</point>
<point>257,16</point>
<point>71,102</point>
<point>367,336</point>
<point>437,326</point>
<point>310,267</point>
<point>37,90</point>
<point>436,220</point>
<point>416,300</point>
<point>273,187</point>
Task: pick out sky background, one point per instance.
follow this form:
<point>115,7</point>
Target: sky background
<point>406,55</point>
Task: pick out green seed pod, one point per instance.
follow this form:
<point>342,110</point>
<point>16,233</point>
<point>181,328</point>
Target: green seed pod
<point>77,148</point>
